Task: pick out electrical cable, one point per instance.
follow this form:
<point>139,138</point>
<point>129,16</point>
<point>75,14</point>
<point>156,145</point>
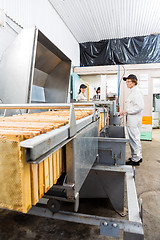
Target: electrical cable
<point>119,84</point>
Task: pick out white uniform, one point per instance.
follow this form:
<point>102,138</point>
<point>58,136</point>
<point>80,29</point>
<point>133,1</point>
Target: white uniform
<point>81,97</point>
<point>134,109</point>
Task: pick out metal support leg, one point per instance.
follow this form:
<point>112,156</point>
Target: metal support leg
<point>133,208</point>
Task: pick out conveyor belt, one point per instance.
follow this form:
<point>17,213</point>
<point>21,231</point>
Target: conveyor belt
<point>23,184</point>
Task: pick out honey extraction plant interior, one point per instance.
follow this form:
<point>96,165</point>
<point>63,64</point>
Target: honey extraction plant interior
<point>79,119</point>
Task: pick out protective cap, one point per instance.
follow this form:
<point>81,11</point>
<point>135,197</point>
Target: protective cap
<point>83,86</point>
<point>131,76</point>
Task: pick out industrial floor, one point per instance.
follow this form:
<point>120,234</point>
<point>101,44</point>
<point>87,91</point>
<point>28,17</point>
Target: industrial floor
<point>17,226</point>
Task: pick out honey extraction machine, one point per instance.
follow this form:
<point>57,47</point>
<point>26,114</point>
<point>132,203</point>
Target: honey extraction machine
<point>65,139</point>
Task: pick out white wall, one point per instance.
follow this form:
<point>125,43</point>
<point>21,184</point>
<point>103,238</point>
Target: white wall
<point>40,13</point>
<point>112,83</point>
<point>156,85</point>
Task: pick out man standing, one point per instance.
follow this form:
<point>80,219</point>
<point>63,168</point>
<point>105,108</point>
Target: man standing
<point>133,111</point>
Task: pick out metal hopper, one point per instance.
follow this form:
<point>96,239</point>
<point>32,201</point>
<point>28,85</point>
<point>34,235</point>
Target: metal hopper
<point>33,70</point>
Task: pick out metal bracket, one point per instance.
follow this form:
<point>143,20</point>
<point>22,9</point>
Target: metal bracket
<point>72,122</point>
<point>109,229</point>
<point>68,186</point>
<point>114,156</point>
<point>65,186</point>
<point>124,213</point>
<point>118,158</point>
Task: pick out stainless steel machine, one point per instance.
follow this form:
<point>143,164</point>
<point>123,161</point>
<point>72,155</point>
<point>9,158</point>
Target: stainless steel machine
<point>95,163</point>
<point>33,70</point>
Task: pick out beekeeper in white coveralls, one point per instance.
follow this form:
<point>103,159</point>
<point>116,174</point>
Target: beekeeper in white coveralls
<point>133,112</point>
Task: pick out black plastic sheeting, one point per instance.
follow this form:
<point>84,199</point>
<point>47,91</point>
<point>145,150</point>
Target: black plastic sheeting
<point>134,50</point>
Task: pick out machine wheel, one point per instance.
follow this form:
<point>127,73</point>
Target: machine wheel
<point>53,205</point>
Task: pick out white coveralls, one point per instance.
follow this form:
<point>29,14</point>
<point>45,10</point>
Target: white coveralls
<point>81,97</point>
<point>134,109</point>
